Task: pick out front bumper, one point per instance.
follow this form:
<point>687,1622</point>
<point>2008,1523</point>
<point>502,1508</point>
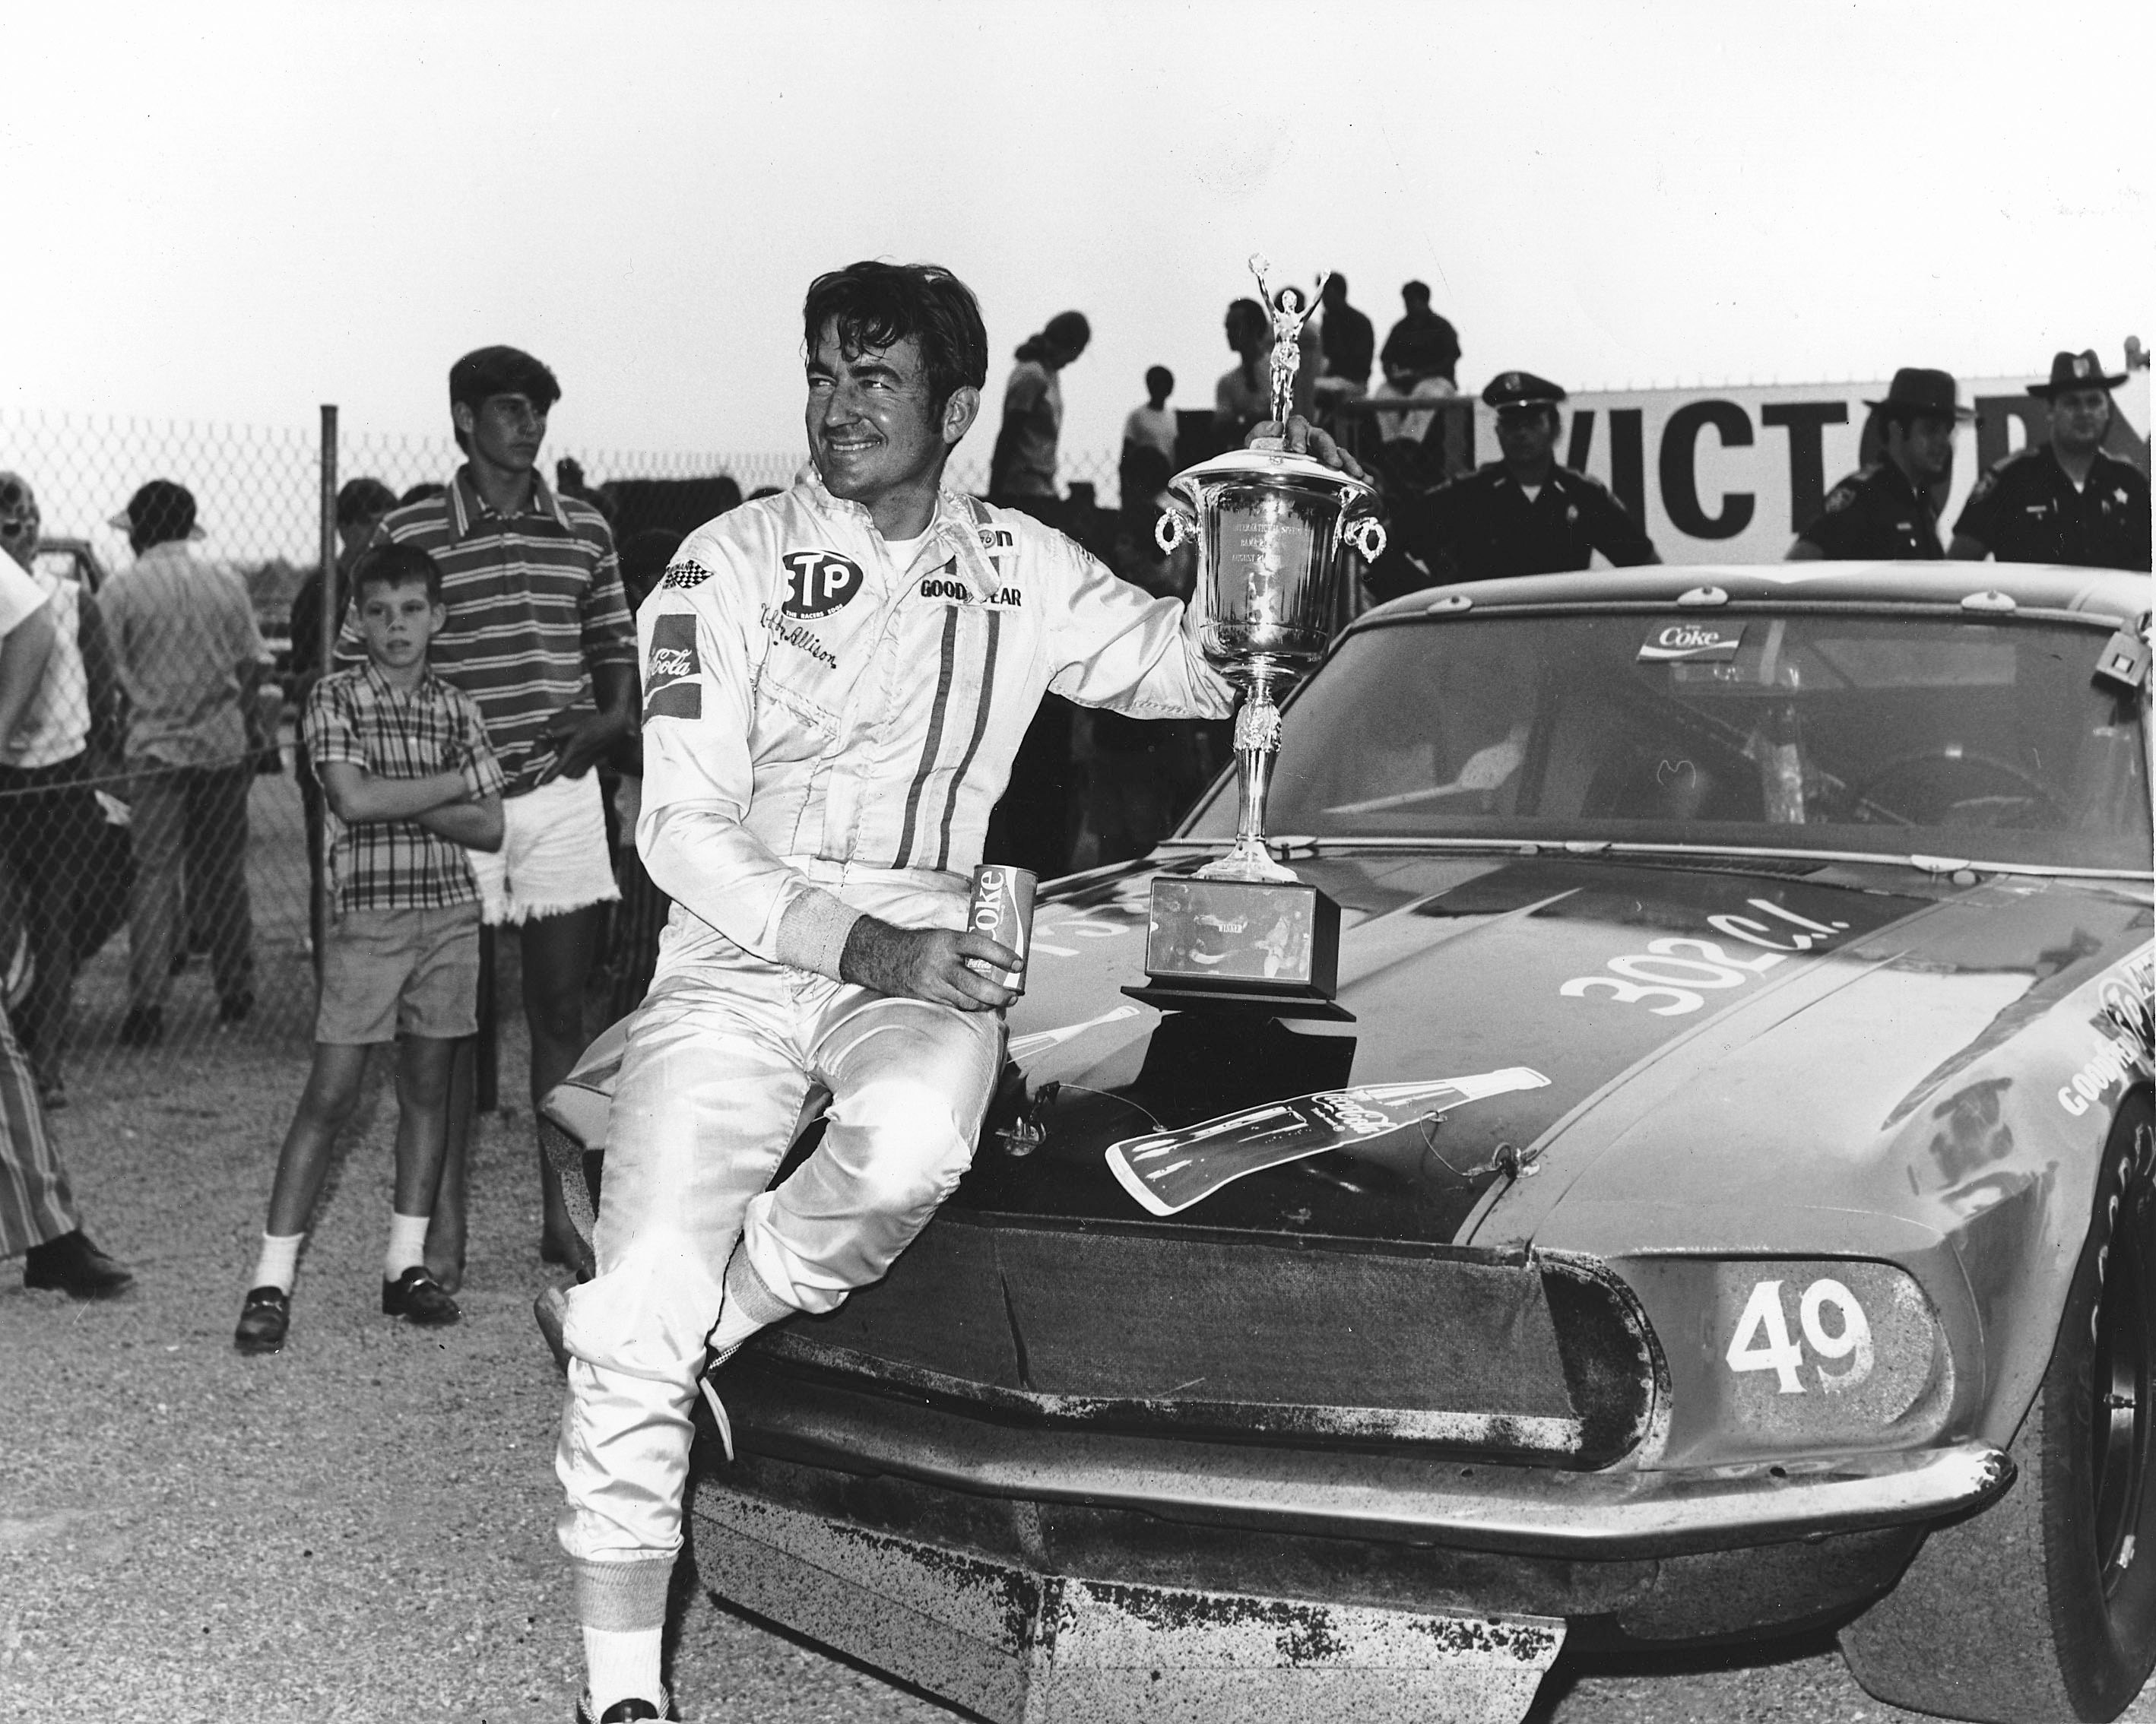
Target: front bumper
<point>1422,1499</point>
<point>1019,1645</point>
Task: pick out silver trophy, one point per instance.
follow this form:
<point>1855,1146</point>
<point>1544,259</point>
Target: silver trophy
<point>1270,528</point>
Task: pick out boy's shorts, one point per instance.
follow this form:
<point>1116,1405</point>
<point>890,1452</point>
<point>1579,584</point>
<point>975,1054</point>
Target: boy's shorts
<point>553,856</point>
<point>390,971</point>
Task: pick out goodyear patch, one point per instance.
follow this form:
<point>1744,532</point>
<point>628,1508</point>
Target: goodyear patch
<point>687,572</point>
<point>672,688</point>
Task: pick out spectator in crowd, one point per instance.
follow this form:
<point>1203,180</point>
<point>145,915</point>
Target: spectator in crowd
<point>1890,506</point>
<point>1035,822</point>
<point>1243,396</point>
<point>539,635</point>
<point>1153,426</point>
<point>1422,345</point>
<point>2065,500</point>
<point>39,1221</point>
<point>1348,341</point>
<point>819,900</point>
<point>404,765</point>
<point>50,822</point>
<point>190,657</point>
<point>361,504</point>
<point>1520,515</point>
<point>642,917</point>
<point>1420,359</point>
<point>1148,444</point>
<point>569,482</point>
<point>1022,470</point>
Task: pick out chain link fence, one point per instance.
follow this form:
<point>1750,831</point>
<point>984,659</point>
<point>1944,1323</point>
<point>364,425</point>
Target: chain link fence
<point>155,882</point>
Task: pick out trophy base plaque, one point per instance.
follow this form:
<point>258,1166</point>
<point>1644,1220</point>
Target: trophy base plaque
<point>1260,945</point>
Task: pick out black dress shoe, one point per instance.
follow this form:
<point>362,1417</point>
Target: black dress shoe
<point>622,1711</point>
<point>73,1266</point>
<point>264,1318</point>
<point>417,1297</point>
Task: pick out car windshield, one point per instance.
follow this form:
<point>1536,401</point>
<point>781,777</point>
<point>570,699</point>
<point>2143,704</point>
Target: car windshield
<point>1895,735</point>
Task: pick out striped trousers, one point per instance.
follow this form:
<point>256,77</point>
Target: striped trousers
<point>35,1203</point>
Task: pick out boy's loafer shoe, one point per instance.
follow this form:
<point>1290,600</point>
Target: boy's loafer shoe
<point>264,1318</point>
<point>622,1711</point>
<point>72,1265</point>
<point>418,1298</point>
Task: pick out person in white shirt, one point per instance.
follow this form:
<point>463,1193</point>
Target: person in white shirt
<point>39,1221</point>
<point>1153,426</point>
<point>50,822</point>
<point>835,681</point>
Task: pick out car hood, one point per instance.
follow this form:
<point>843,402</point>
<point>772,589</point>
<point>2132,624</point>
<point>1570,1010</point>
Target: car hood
<point>1675,1009</point>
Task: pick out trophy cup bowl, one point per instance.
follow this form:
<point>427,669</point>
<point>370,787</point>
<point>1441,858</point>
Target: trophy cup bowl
<point>1270,528</point>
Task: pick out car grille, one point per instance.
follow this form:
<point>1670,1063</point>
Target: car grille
<point>1152,1331</point>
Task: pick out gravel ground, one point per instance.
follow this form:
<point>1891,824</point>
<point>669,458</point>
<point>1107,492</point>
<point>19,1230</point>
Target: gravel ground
<point>361,1528</point>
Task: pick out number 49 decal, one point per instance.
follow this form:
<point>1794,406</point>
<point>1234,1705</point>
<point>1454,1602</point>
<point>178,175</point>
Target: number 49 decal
<point>1762,1341</point>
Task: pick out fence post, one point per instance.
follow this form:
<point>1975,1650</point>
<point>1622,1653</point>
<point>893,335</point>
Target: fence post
<point>328,620</point>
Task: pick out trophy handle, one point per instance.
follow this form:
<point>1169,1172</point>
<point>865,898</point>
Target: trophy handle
<point>1367,536</point>
<point>1172,529</point>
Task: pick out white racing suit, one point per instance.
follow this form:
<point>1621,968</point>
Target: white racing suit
<point>824,735</point>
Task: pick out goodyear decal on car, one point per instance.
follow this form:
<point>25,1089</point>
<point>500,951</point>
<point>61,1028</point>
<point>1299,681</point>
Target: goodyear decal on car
<point>1170,1171</point>
<point>2123,1040</point>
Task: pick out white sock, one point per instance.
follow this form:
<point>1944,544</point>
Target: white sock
<point>748,1306</point>
<point>407,1244</point>
<point>278,1264</point>
<point>622,1664</point>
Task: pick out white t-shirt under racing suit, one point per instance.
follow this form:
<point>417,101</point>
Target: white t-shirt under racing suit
<point>825,731</point>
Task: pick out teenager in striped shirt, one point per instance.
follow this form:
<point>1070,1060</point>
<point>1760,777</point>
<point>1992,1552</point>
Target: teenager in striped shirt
<point>539,635</point>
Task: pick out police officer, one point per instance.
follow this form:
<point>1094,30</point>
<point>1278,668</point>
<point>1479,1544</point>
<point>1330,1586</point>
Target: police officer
<point>1890,507</point>
<point>1523,514</point>
<point>2066,500</point>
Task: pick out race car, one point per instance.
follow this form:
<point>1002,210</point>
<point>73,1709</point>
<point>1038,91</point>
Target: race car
<point>1714,1196</point>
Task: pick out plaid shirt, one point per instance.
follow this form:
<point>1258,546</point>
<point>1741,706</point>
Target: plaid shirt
<point>357,717</point>
<point>535,600</point>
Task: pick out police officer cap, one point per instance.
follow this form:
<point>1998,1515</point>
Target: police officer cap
<point>1521,388</point>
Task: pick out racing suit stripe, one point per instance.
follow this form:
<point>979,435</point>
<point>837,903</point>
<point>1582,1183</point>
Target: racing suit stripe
<point>935,739</point>
<point>973,742</point>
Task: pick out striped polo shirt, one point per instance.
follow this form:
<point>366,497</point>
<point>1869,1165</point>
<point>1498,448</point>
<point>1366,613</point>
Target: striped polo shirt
<point>534,601</point>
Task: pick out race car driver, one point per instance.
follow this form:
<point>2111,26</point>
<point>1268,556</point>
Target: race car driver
<point>836,678</point>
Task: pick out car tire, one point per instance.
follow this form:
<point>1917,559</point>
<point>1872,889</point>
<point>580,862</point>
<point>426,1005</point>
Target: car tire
<point>2035,1610</point>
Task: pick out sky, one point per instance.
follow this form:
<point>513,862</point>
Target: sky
<point>233,212</point>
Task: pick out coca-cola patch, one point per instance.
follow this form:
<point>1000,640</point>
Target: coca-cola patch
<point>671,685</point>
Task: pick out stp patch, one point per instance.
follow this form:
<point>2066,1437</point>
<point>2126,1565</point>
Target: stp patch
<point>819,582</point>
<point>671,688</point>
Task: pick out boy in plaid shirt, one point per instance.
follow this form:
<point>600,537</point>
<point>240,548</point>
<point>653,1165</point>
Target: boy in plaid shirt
<point>406,771</point>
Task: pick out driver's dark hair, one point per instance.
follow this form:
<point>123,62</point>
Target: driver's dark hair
<point>873,305</point>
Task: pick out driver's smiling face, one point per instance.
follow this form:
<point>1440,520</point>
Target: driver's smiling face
<point>872,430</point>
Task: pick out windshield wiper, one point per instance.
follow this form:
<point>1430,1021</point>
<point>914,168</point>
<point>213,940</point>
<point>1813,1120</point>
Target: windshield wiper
<point>1289,847</point>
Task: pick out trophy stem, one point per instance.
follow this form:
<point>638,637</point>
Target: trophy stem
<point>1257,745</point>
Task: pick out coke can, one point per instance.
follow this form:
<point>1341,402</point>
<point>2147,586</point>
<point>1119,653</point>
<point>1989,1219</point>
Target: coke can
<point>1002,908</point>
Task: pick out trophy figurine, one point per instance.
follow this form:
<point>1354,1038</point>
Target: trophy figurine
<point>1270,527</point>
